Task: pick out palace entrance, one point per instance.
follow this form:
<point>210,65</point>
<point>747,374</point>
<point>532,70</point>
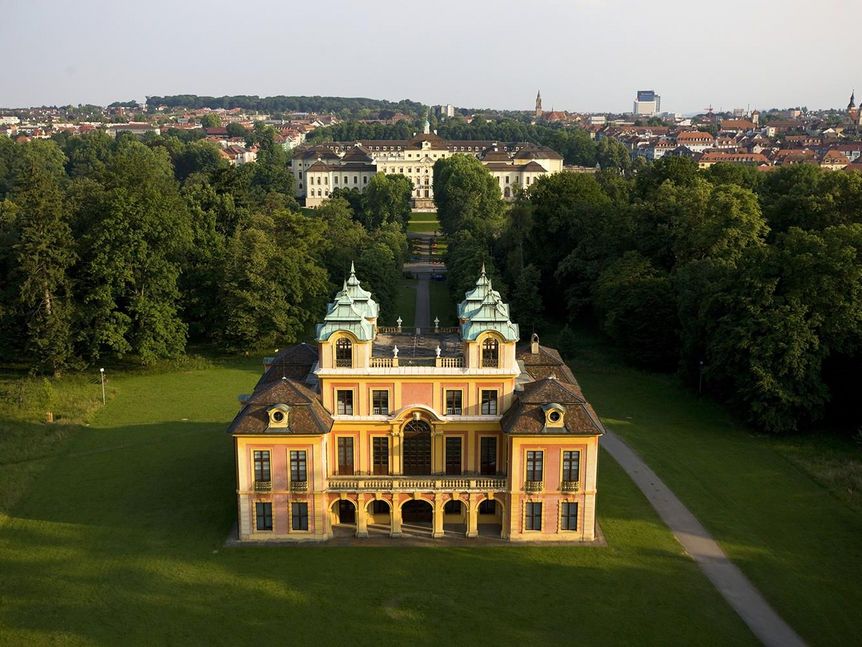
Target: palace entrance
<point>417,447</point>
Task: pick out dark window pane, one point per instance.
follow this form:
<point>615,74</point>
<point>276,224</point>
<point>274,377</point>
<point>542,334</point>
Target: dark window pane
<point>569,518</point>
<point>299,516</point>
<point>345,455</point>
<point>489,403</point>
<point>345,403</point>
<point>453,403</point>
<point>298,466</point>
<point>488,455</point>
<point>380,403</point>
<point>533,516</point>
<point>380,455</point>
<point>487,507</point>
<point>453,455</point>
<point>262,466</point>
<point>534,465</point>
<point>571,466</point>
<point>263,515</point>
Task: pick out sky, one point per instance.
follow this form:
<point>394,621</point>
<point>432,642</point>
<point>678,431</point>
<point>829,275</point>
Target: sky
<point>584,55</point>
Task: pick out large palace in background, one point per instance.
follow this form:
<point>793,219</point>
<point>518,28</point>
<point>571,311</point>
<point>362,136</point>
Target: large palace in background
<point>380,430</point>
<point>318,170</point>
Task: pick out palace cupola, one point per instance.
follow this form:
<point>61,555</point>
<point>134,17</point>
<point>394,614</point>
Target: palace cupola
<point>487,331</point>
<point>345,337</point>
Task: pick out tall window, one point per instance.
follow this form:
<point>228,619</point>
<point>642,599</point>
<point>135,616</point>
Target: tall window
<point>488,455</point>
<point>345,455</point>
<point>380,455</point>
<point>344,405</point>
<point>263,515</point>
<point>343,353</point>
<point>453,403</point>
<point>534,465</point>
<point>380,403</point>
<point>489,403</point>
<point>571,466</point>
<point>298,466</point>
<point>453,455</point>
<point>261,466</point>
<point>533,514</point>
<point>569,517</point>
<point>299,516</point>
<point>490,353</point>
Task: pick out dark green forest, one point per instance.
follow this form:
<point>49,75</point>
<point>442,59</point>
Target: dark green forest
<point>130,249</point>
<point>748,284</point>
<point>344,107</point>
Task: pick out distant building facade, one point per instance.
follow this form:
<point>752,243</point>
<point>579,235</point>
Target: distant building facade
<point>379,431</point>
<point>319,170</point>
<point>647,104</point>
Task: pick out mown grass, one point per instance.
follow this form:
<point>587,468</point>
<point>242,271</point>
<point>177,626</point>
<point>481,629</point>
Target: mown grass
<point>423,223</point>
<point>405,304</point>
<point>121,540</point>
<point>775,505</point>
<point>442,305</point>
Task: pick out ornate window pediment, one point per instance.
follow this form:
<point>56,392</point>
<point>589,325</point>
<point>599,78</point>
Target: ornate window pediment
<point>278,416</point>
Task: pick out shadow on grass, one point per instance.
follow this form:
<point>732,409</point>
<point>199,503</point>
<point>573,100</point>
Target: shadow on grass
<point>122,535</point>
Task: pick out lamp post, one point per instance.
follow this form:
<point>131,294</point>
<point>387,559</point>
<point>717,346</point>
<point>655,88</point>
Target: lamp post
<point>102,376</point>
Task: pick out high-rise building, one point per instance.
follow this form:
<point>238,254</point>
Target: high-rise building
<point>647,104</point>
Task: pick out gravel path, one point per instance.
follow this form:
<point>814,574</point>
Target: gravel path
<point>733,585</point>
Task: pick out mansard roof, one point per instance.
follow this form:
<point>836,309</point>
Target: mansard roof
<point>547,362</point>
<point>306,414</point>
<point>527,413</point>
<point>294,362</point>
<point>351,311</point>
<point>483,310</point>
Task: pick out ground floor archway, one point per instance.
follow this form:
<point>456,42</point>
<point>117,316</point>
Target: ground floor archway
<point>343,518</point>
<point>455,518</point>
<point>379,515</point>
<point>490,518</point>
<point>417,518</point>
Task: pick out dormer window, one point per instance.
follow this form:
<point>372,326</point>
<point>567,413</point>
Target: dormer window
<point>490,354</point>
<point>343,353</point>
<point>555,415</point>
<point>278,415</point>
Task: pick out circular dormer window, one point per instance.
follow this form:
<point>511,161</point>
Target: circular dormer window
<point>278,416</point>
<point>554,416</point>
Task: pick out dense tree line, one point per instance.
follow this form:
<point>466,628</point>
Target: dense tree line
<point>353,131</point>
<point>344,107</point>
<point>574,144</point>
<point>122,247</point>
<point>750,283</point>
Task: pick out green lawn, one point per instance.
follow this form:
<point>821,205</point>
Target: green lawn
<point>423,223</point>
<point>442,305</point>
<point>120,539</point>
<point>783,509</point>
<point>405,305</point>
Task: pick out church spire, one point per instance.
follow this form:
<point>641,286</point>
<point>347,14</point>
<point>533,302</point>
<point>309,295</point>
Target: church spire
<point>539,103</point>
<point>852,103</point>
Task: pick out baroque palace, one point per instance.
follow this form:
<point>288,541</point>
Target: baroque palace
<point>319,170</point>
<point>380,430</point>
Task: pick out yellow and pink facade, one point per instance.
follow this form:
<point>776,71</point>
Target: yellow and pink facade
<point>382,431</point>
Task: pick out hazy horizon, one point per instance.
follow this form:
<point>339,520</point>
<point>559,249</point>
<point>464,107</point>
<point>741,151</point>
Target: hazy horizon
<point>584,55</point>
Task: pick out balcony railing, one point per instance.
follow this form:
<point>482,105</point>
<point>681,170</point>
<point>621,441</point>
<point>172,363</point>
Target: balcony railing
<point>381,362</point>
<point>299,486</point>
<point>343,363</point>
<point>263,486</point>
<point>414,483</point>
<point>452,362</point>
<point>570,486</point>
<point>533,486</point>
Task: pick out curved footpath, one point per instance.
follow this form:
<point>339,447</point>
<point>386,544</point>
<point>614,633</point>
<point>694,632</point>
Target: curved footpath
<point>739,592</point>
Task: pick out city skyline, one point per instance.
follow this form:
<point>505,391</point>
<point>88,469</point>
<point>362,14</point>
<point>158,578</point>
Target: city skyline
<point>585,56</point>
